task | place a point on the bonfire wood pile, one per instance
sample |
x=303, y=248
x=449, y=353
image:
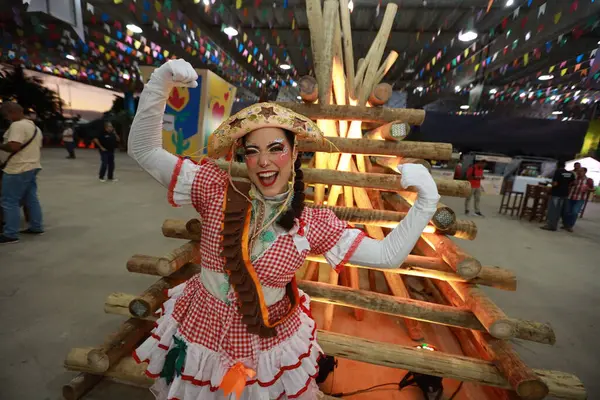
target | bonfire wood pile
x=355, y=176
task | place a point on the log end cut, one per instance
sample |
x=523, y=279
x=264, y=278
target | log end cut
x=164, y=267
x=444, y=218
x=468, y=268
x=194, y=226
x=98, y=360
x=502, y=329
x=139, y=308
x=533, y=389
x=380, y=94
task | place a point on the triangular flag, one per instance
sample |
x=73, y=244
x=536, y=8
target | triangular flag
x=541, y=10
x=526, y=59
x=516, y=13
x=563, y=72
x=557, y=17
x=577, y=67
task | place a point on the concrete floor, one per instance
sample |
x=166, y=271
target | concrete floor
x=54, y=286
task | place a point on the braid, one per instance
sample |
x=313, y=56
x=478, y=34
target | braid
x=286, y=221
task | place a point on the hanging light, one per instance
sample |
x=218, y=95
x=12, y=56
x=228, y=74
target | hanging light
x=285, y=67
x=469, y=33
x=546, y=77
x=264, y=81
x=467, y=36
x=351, y=5
x=464, y=107
x=206, y=2
x=585, y=100
x=557, y=112
x=230, y=31
x=108, y=86
x=509, y=3
x=493, y=91
x=299, y=98
x=409, y=70
x=70, y=57
x=457, y=88
x=419, y=88
x=134, y=28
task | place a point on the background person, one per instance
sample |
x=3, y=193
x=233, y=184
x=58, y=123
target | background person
x=69, y=139
x=474, y=176
x=578, y=192
x=107, y=142
x=23, y=141
x=560, y=191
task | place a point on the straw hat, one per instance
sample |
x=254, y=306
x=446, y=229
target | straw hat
x=261, y=115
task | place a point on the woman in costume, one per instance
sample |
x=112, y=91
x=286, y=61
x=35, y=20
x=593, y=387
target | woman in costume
x=241, y=329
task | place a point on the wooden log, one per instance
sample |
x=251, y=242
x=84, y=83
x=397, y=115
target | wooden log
x=314, y=16
x=323, y=67
x=462, y=229
x=560, y=384
x=165, y=265
x=385, y=67
x=174, y=228
x=395, y=283
x=339, y=82
x=80, y=385
x=377, y=147
x=393, y=131
x=521, y=378
x=347, y=45
x=126, y=370
x=118, y=304
x=194, y=226
x=380, y=94
x=489, y=314
x=118, y=345
x=470, y=346
x=391, y=305
x=464, y=265
x=392, y=163
x=152, y=298
x=329, y=308
x=358, y=79
x=381, y=115
x=375, y=53
x=129, y=372
x=357, y=179
x=308, y=89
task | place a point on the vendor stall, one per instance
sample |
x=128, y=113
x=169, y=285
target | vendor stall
x=523, y=171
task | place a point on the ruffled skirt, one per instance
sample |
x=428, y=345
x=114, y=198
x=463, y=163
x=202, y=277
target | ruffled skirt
x=215, y=339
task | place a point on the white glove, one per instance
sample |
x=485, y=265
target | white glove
x=173, y=73
x=417, y=176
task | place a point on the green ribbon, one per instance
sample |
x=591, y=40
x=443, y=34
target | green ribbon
x=174, y=361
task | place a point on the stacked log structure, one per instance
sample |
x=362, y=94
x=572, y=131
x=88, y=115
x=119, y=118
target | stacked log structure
x=355, y=175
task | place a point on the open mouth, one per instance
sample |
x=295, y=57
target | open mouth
x=267, y=178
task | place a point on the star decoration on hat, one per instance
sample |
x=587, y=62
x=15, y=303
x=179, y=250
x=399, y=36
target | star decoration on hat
x=267, y=112
x=299, y=123
x=236, y=123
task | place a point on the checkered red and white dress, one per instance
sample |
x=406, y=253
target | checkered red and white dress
x=216, y=338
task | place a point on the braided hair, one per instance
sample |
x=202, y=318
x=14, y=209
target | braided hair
x=286, y=219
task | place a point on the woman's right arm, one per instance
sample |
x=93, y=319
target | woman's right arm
x=145, y=137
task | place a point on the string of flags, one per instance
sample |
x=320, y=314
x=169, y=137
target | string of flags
x=503, y=31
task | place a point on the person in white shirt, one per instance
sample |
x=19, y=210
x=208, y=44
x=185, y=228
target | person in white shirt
x=69, y=140
x=23, y=142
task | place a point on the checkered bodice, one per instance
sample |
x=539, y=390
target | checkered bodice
x=278, y=264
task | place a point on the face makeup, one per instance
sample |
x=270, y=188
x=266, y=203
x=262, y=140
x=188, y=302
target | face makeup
x=269, y=160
